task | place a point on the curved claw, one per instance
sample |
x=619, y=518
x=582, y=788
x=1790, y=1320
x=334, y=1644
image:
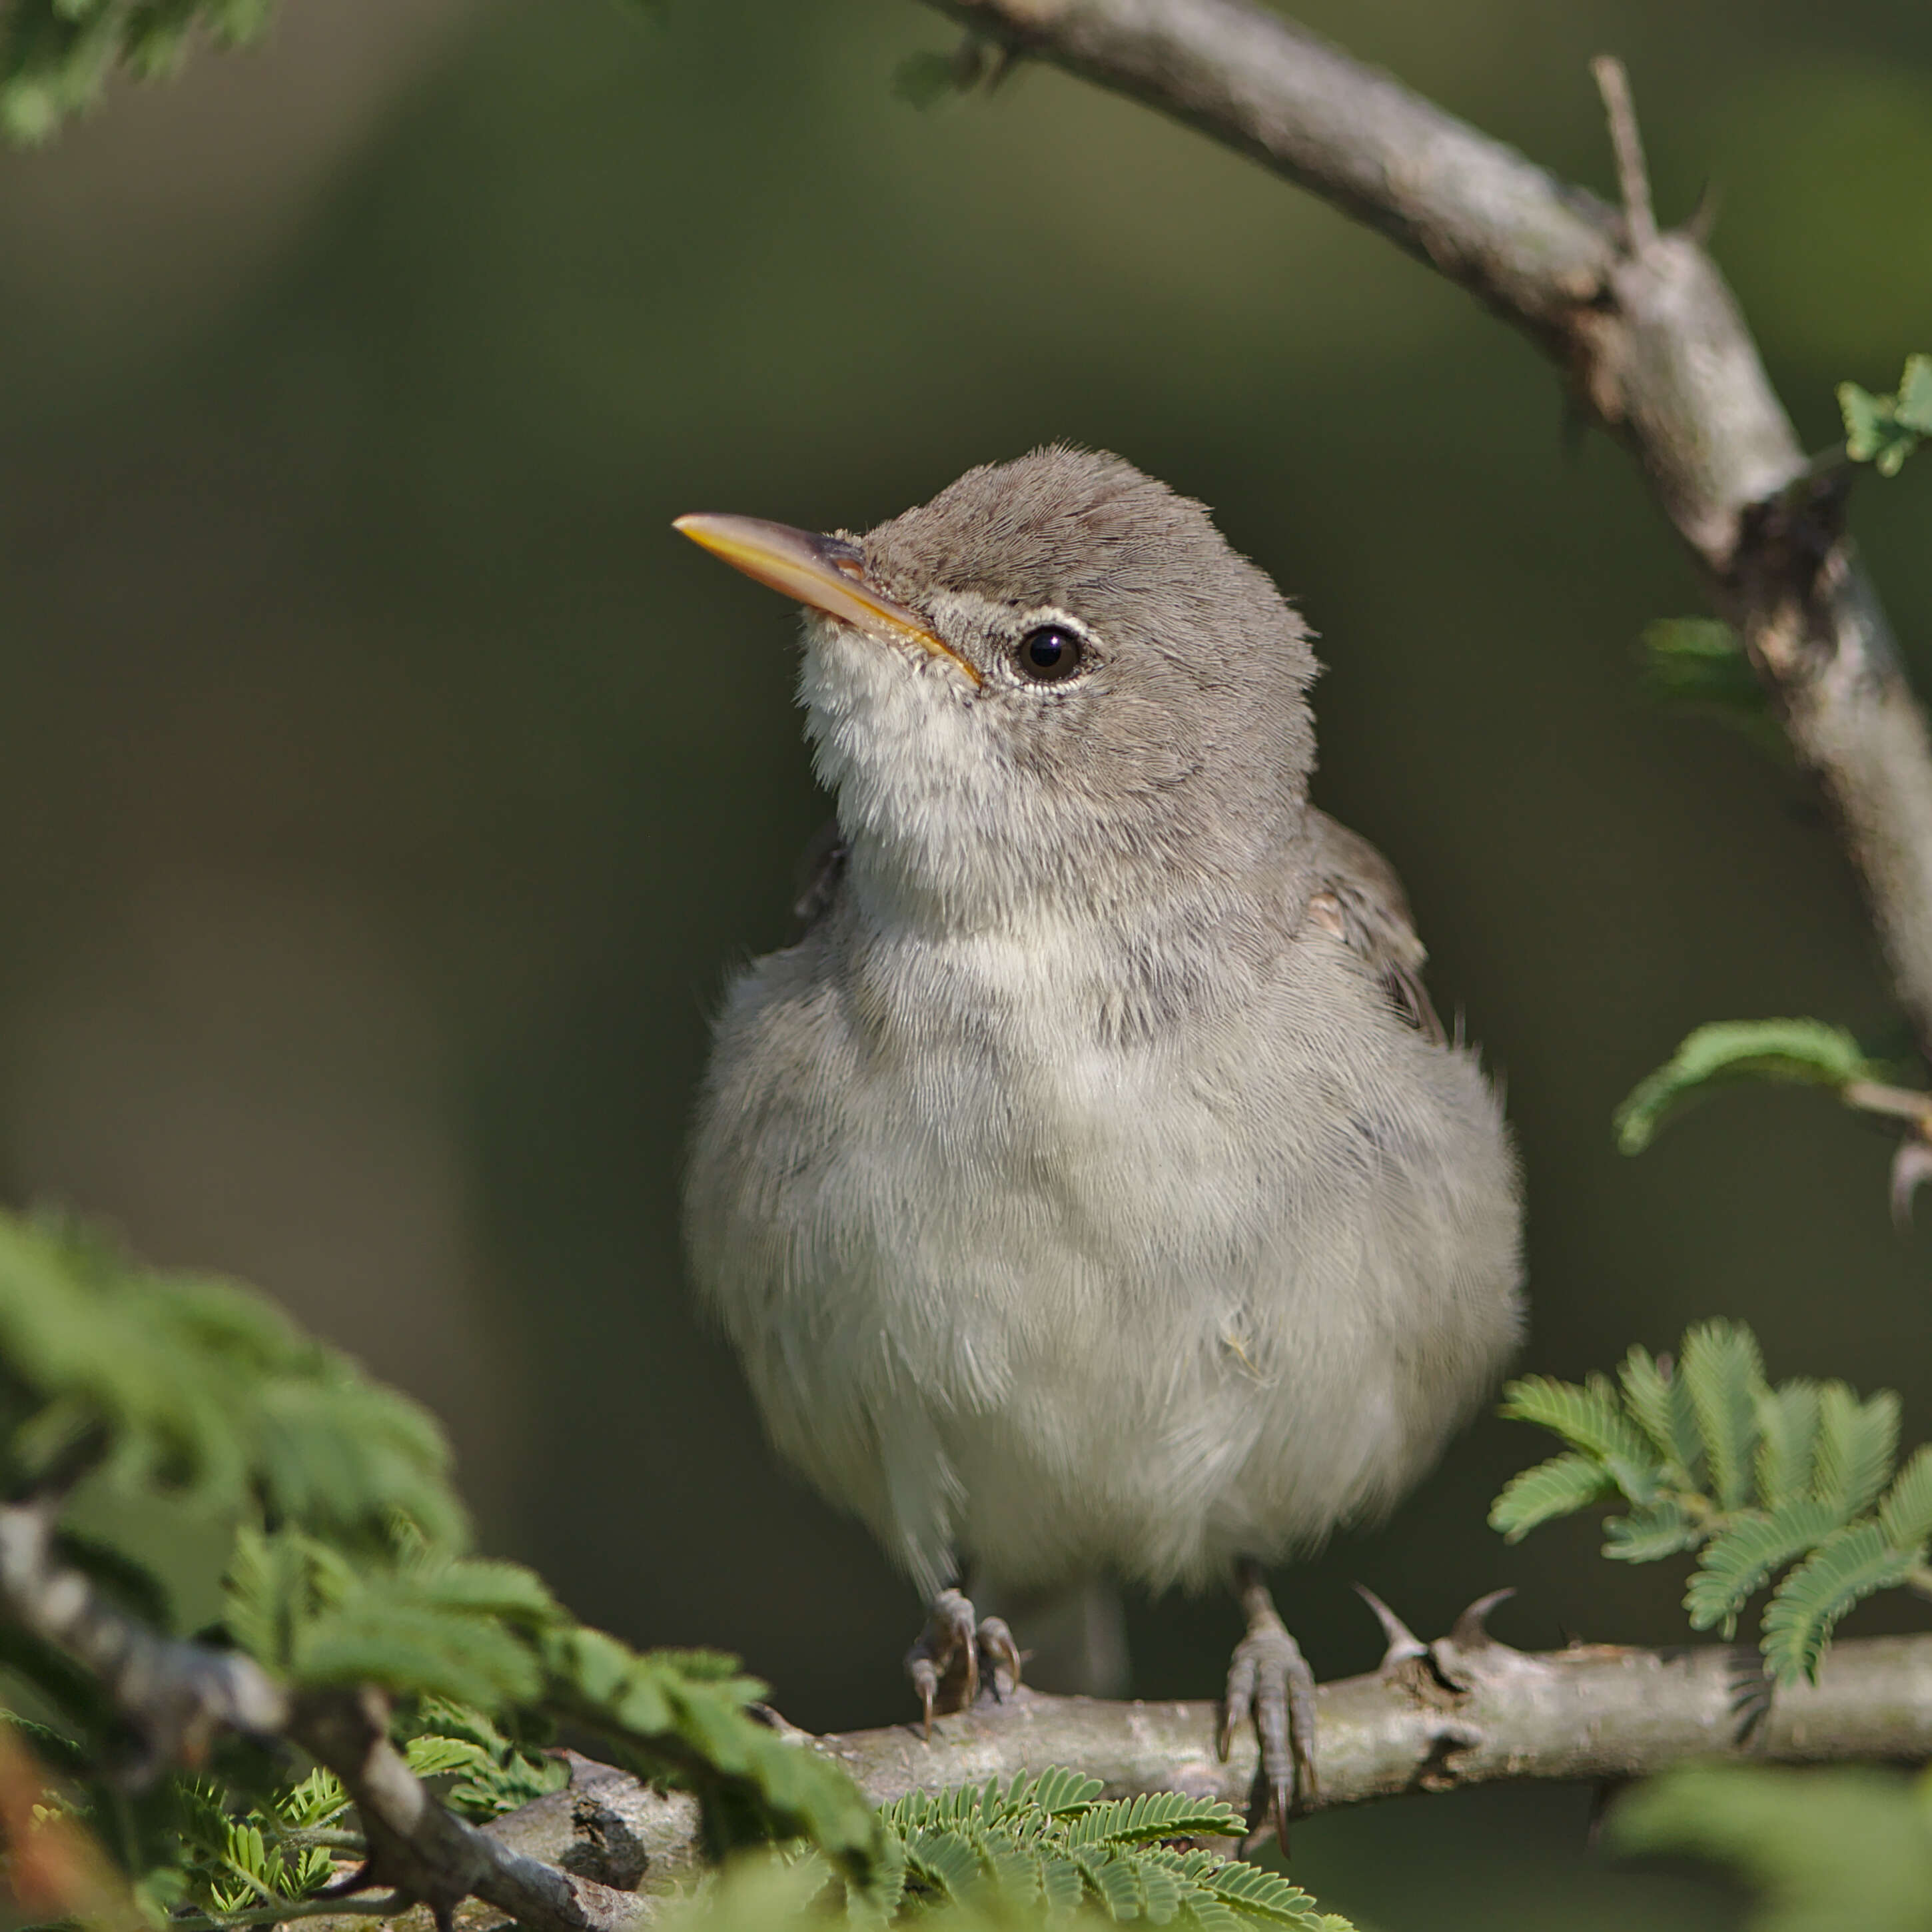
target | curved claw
x=994, y=1641
x=925, y=1675
x=957, y=1652
x=1270, y=1683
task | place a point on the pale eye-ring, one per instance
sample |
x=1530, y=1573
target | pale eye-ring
x=1049, y=653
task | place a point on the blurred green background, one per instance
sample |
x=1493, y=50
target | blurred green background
x=385, y=793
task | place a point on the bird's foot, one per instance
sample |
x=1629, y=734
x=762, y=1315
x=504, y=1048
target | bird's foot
x=1270, y=1682
x=957, y=1652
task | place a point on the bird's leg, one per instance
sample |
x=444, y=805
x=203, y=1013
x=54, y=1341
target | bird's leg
x=946, y=1664
x=1269, y=1681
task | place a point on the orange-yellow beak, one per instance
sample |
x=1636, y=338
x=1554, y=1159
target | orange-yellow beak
x=826, y=573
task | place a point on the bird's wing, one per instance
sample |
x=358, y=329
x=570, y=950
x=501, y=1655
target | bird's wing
x=821, y=869
x=1361, y=900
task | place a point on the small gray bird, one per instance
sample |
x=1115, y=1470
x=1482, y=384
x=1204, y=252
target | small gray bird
x=1091, y=1190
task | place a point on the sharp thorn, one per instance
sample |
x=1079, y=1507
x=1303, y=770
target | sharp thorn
x=1471, y=1631
x=1911, y=1169
x=1403, y=1643
x=1703, y=218
x=1603, y=1794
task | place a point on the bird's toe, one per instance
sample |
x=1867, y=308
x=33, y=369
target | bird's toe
x=1269, y=1684
x=945, y=1660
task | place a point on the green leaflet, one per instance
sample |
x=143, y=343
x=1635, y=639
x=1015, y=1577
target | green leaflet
x=56, y=55
x=1884, y=431
x=492, y=1773
x=1152, y=1816
x=1787, y=1446
x=1053, y=1841
x=1805, y=1051
x=1590, y=1419
x=1724, y=1375
x=1558, y=1487
x=204, y=1390
x=1906, y=1514
x=1698, y=665
x=387, y=1634
x=1661, y=1528
x=1741, y=1559
x=1759, y=1480
x=1856, y=1443
x=684, y=1713
x=1660, y=1405
x=1850, y=1566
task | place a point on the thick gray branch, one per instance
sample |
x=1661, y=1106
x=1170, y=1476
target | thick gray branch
x=1644, y=326
x=1463, y=1711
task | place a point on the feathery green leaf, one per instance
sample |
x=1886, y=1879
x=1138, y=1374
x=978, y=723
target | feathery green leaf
x=1659, y=1529
x=1804, y=1051
x=56, y=56
x=1558, y=1487
x=1724, y=1376
x=1740, y=1560
x=1787, y=1422
x=1589, y=1418
x=1884, y=431
x=1850, y=1566
x=1856, y=1443
x=1656, y=1396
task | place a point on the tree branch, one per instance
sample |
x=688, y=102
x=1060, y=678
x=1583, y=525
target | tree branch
x=1642, y=324
x=1466, y=1710
x=177, y=1695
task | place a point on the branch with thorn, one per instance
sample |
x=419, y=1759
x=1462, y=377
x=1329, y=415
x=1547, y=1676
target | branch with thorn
x=1644, y=330
x=1466, y=1709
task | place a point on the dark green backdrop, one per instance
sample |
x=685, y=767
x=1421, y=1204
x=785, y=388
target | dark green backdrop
x=385, y=792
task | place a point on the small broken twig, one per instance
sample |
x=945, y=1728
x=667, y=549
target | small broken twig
x=1633, y=177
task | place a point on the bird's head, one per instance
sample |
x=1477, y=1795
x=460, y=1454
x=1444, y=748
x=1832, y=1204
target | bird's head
x=1053, y=683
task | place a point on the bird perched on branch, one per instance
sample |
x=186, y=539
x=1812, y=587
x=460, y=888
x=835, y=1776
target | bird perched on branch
x=1092, y=1189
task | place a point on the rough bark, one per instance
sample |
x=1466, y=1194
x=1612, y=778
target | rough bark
x=1464, y=1711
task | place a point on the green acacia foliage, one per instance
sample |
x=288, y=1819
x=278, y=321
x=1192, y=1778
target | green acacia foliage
x=201, y=1392
x=1884, y=431
x=1040, y=1850
x=1825, y=1851
x=1794, y=1484
x=1801, y=1052
x=56, y=55
x=1699, y=666
x=350, y=1565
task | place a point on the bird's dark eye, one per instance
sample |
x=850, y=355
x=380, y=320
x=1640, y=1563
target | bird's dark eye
x=1047, y=655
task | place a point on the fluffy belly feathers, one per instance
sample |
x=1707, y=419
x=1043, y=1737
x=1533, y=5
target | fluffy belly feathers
x=1062, y=1300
